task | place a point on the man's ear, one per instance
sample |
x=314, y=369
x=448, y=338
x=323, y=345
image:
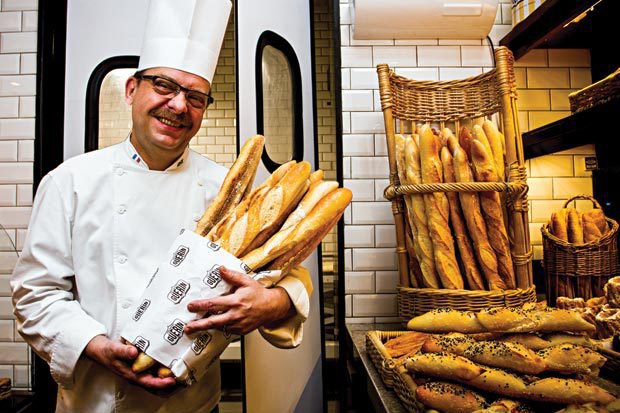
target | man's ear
x=130, y=89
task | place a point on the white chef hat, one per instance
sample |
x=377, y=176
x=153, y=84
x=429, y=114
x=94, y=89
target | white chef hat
x=185, y=35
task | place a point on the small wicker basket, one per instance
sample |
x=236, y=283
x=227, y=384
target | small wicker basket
x=405, y=387
x=377, y=352
x=404, y=103
x=596, y=93
x=579, y=270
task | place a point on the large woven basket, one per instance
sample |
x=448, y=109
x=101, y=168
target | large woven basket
x=405, y=103
x=378, y=354
x=579, y=270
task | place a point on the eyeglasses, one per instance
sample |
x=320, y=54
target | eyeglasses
x=170, y=89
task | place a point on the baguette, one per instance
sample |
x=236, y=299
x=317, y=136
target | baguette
x=455, y=343
x=531, y=341
x=470, y=202
x=310, y=231
x=423, y=245
x=449, y=397
x=495, y=140
x=438, y=212
x=575, y=230
x=567, y=391
x=465, y=140
x=510, y=356
x=261, y=256
x=558, y=224
x=569, y=358
x=480, y=136
x=238, y=181
x=492, y=209
x=591, y=233
x=499, y=382
x=472, y=274
x=445, y=320
x=443, y=365
x=598, y=218
x=142, y=363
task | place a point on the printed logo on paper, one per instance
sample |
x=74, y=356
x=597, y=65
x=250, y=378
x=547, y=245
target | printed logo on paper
x=245, y=268
x=213, y=277
x=213, y=246
x=178, y=291
x=141, y=309
x=200, y=343
x=174, y=332
x=179, y=255
x=141, y=343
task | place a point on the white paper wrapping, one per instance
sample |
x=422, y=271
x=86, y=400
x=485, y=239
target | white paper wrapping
x=189, y=272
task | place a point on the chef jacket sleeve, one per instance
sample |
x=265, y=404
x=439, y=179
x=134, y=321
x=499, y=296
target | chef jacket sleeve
x=47, y=313
x=288, y=333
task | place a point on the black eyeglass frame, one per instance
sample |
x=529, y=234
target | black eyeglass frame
x=179, y=88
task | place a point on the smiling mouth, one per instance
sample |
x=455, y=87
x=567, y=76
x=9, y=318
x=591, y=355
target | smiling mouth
x=169, y=122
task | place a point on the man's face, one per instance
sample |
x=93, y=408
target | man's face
x=162, y=122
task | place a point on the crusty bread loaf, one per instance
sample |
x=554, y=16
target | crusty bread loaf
x=500, y=382
x=471, y=272
x=423, y=245
x=470, y=202
x=499, y=319
x=555, y=339
x=445, y=320
x=569, y=358
x=495, y=140
x=480, y=136
x=438, y=213
x=465, y=140
x=443, y=365
x=567, y=391
x=449, y=397
x=558, y=224
x=454, y=343
x=237, y=182
x=512, y=356
x=573, y=223
x=531, y=341
x=259, y=257
x=598, y=217
x=507, y=406
x=310, y=231
x=484, y=168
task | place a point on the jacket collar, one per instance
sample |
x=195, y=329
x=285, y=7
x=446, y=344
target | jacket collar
x=135, y=159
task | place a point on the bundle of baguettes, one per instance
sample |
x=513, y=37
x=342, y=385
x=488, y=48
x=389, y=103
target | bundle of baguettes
x=467, y=225
x=275, y=226
x=577, y=227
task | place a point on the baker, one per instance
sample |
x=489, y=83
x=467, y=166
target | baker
x=102, y=221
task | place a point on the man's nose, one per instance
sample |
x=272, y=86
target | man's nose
x=178, y=102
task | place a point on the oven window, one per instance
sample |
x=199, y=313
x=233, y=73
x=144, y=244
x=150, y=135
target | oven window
x=278, y=83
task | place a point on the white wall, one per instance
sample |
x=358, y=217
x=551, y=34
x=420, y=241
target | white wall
x=18, y=47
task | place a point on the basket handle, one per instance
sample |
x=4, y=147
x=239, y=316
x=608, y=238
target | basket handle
x=586, y=198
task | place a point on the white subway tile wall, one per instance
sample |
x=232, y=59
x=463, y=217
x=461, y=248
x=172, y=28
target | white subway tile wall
x=544, y=78
x=18, y=46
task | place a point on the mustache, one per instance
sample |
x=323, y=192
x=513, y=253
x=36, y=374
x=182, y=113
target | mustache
x=181, y=118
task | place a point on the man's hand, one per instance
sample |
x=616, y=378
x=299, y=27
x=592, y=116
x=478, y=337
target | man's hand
x=250, y=306
x=118, y=357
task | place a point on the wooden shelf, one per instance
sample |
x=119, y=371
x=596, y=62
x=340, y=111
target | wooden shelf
x=582, y=128
x=545, y=27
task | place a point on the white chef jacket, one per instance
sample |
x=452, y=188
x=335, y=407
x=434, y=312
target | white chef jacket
x=100, y=225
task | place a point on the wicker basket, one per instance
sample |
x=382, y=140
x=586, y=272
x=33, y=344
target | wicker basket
x=404, y=386
x=612, y=365
x=378, y=354
x=406, y=102
x=579, y=270
x=597, y=93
